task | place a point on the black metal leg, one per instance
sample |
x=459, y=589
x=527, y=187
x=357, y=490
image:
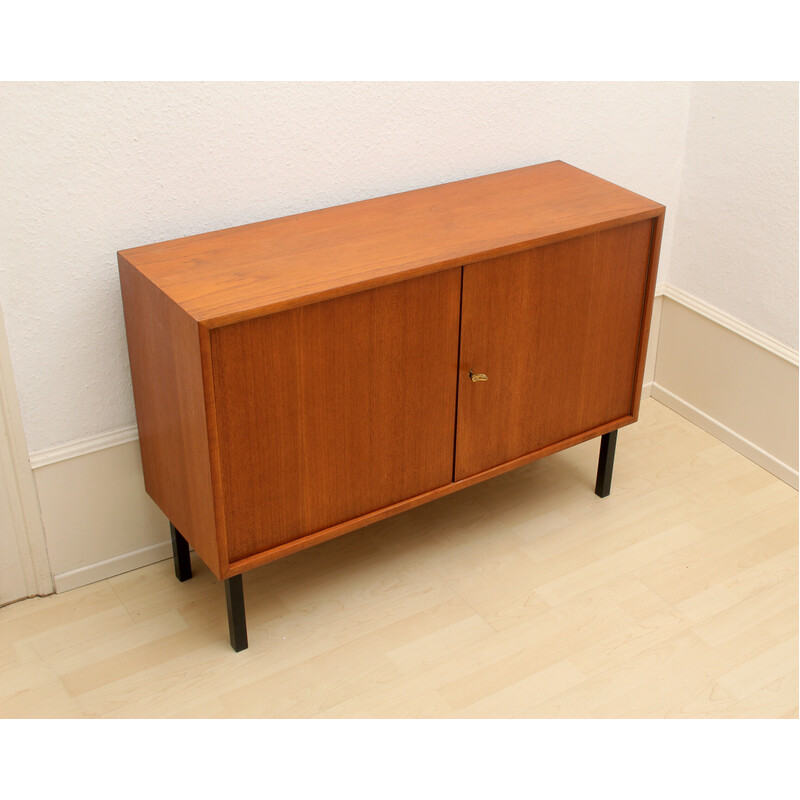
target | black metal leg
x=180, y=555
x=605, y=464
x=237, y=623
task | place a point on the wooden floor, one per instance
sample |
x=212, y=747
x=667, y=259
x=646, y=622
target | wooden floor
x=526, y=596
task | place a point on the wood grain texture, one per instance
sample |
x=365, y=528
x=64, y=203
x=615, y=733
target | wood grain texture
x=244, y=272
x=333, y=410
x=212, y=427
x=300, y=377
x=167, y=375
x=557, y=331
x=647, y=314
x=304, y=542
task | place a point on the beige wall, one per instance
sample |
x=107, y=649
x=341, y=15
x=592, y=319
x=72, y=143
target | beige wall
x=98, y=518
x=734, y=383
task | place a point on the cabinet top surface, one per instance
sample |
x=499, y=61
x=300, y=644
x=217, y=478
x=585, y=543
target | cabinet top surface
x=243, y=272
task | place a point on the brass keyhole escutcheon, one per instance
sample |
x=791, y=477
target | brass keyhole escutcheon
x=477, y=376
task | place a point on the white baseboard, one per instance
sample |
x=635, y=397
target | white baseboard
x=112, y=566
x=732, y=324
x=82, y=447
x=725, y=435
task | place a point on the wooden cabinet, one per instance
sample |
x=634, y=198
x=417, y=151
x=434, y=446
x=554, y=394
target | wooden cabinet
x=333, y=410
x=298, y=378
x=556, y=329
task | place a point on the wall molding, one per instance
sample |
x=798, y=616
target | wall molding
x=101, y=570
x=82, y=447
x=727, y=321
x=729, y=379
x=725, y=435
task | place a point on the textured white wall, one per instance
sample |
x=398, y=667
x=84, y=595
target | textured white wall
x=736, y=231
x=91, y=168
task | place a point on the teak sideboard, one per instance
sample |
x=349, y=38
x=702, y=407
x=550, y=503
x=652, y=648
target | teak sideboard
x=302, y=377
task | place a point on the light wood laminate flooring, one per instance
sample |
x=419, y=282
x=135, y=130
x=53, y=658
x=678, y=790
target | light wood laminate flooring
x=526, y=596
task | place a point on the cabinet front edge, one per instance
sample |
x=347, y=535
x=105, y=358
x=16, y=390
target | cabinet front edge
x=423, y=268
x=273, y=554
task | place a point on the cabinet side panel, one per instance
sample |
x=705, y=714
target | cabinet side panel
x=649, y=299
x=331, y=411
x=556, y=329
x=166, y=371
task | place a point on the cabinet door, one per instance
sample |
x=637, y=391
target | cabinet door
x=556, y=330
x=332, y=410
